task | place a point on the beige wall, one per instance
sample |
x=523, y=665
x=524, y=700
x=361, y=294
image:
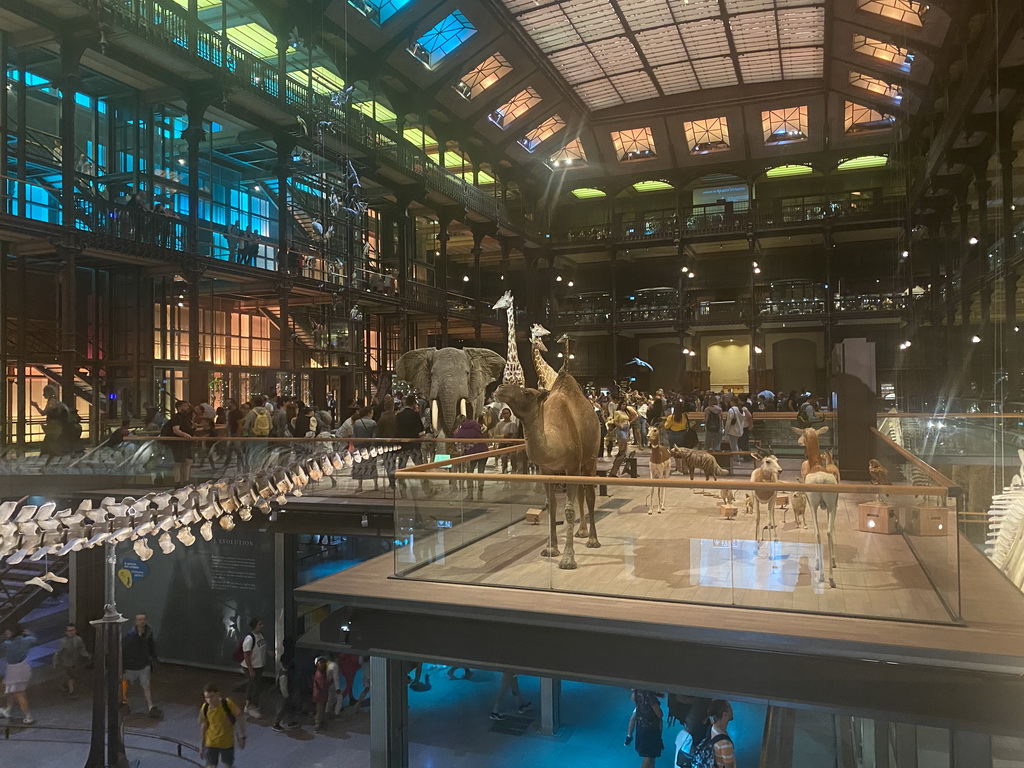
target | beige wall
x=728, y=363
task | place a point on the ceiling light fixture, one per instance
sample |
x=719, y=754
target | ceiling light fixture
x=976, y=339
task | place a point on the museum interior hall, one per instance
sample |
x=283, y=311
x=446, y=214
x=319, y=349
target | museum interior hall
x=496, y=351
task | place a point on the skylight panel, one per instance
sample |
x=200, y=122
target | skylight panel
x=593, y=19
x=800, y=27
x=786, y=171
x=256, y=39
x=517, y=6
x=861, y=119
x=661, y=46
x=696, y=10
x=715, y=73
x=443, y=38
x=569, y=156
x=863, y=162
x=706, y=136
x=784, y=126
x=653, y=185
x=379, y=11
x=599, y=94
x=542, y=133
x=905, y=11
x=636, y=144
x=677, y=78
x=873, y=84
x=704, y=39
x=588, y=193
x=514, y=108
x=760, y=67
x=482, y=77
x=800, y=63
x=550, y=29
x=616, y=56
x=754, y=31
x=887, y=52
x=324, y=80
x=635, y=86
x=577, y=65
x=645, y=14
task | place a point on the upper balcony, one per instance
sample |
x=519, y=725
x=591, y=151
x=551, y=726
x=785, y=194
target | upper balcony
x=727, y=218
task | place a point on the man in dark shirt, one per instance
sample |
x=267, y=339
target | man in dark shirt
x=138, y=652
x=409, y=425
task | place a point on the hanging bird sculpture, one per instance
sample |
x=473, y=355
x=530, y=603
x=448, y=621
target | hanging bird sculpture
x=638, y=361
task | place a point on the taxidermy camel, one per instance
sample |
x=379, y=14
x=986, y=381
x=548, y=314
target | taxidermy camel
x=661, y=465
x=768, y=472
x=818, y=470
x=562, y=437
x=545, y=373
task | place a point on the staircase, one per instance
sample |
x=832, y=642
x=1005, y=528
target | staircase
x=83, y=387
x=304, y=335
x=18, y=599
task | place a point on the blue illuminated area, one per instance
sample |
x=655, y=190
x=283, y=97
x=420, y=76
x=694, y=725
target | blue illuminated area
x=379, y=11
x=447, y=35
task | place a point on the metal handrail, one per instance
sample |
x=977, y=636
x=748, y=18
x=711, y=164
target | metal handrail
x=180, y=746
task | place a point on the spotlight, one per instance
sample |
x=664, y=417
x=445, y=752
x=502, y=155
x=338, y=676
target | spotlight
x=692, y=353
x=256, y=188
x=558, y=279
x=465, y=278
x=976, y=339
x=685, y=270
x=906, y=254
x=758, y=350
x=755, y=265
x=570, y=284
x=757, y=270
x=973, y=240
x=686, y=351
x=871, y=523
x=692, y=274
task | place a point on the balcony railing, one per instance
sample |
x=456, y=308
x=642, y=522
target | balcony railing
x=723, y=218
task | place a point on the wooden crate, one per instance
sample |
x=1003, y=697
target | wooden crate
x=728, y=511
x=533, y=516
x=929, y=521
x=876, y=517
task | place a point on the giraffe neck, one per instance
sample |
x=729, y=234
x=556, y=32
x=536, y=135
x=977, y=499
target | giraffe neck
x=513, y=370
x=545, y=373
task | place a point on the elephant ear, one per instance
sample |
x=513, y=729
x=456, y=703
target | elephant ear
x=485, y=366
x=414, y=368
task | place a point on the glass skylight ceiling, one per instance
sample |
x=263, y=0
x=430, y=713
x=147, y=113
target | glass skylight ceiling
x=679, y=46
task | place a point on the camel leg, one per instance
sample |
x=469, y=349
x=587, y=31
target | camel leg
x=568, y=561
x=583, y=531
x=551, y=550
x=588, y=496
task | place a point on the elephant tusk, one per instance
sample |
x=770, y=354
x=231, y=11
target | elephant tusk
x=433, y=414
x=463, y=411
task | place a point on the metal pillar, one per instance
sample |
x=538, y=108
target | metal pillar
x=68, y=82
x=550, y=705
x=906, y=745
x=106, y=746
x=389, y=715
x=442, y=273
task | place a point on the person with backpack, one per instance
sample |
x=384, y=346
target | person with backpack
x=218, y=720
x=253, y=657
x=809, y=413
x=716, y=749
x=713, y=425
x=258, y=422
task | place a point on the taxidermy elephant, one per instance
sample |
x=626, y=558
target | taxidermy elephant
x=452, y=380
